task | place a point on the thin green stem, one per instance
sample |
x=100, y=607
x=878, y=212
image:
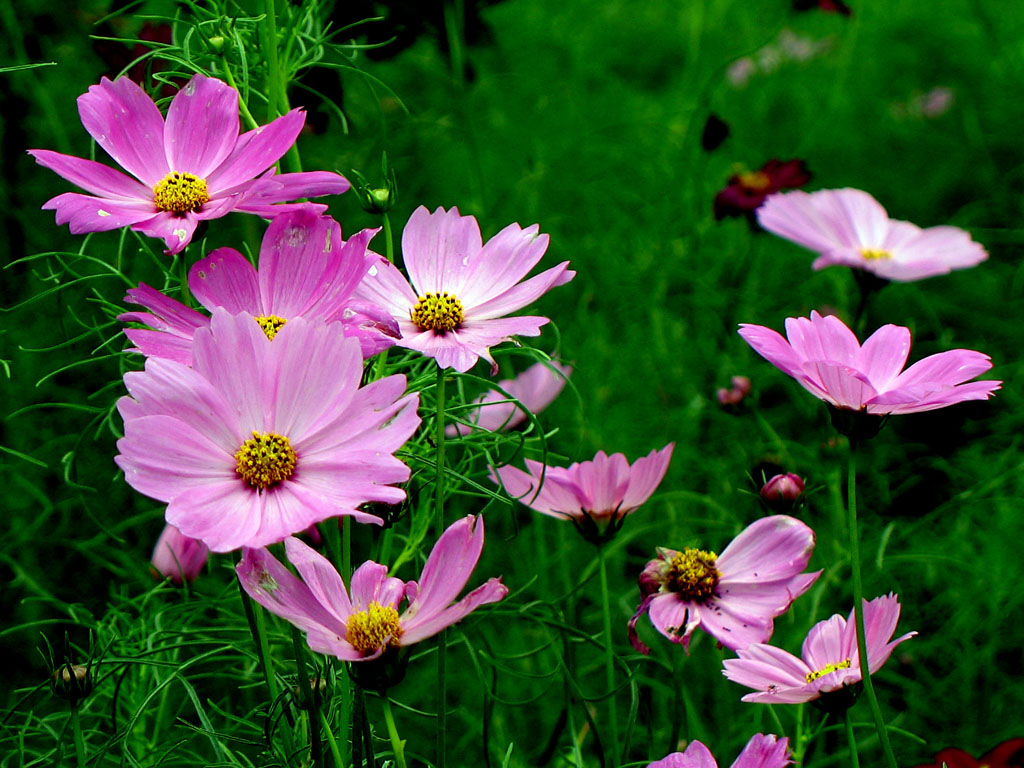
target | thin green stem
x=454, y=13
x=854, y=758
x=389, y=240
x=397, y=745
x=312, y=697
x=609, y=660
x=339, y=761
x=346, y=549
x=442, y=639
x=76, y=727
x=247, y=116
x=858, y=602
x=254, y=615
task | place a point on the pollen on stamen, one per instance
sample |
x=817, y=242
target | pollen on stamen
x=377, y=626
x=271, y=324
x=875, y=254
x=440, y=312
x=828, y=668
x=180, y=193
x=692, y=575
x=265, y=459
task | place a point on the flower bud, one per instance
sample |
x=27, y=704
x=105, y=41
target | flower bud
x=784, y=488
x=178, y=557
x=72, y=682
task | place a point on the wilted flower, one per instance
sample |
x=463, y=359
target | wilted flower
x=363, y=622
x=454, y=305
x=260, y=439
x=783, y=488
x=848, y=227
x=305, y=270
x=192, y=167
x=535, y=389
x=824, y=356
x=1008, y=754
x=762, y=751
x=746, y=192
x=596, y=495
x=178, y=557
x=830, y=658
x=735, y=596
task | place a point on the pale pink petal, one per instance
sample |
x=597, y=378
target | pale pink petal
x=168, y=314
x=320, y=577
x=944, y=369
x=900, y=401
x=226, y=279
x=504, y=260
x=202, y=126
x=764, y=751
x=826, y=644
x=774, y=348
x=645, y=476
x=438, y=249
x=277, y=589
x=733, y=627
x=224, y=516
x=844, y=386
x=558, y=497
x=861, y=220
x=385, y=285
x=127, y=124
x=770, y=549
x=760, y=666
x=884, y=354
x=795, y=216
x=674, y=617
x=519, y=296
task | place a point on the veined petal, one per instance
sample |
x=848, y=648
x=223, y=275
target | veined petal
x=256, y=151
x=293, y=186
x=503, y=261
x=884, y=354
x=94, y=177
x=175, y=231
x=519, y=296
x=447, y=570
x=202, y=126
x=84, y=213
x=439, y=249
x=427, y=624
x=226, y=279
x=772, y=548
x=645, y=476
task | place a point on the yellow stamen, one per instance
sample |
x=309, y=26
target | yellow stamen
x=180, y=193
x=368, y=630
x=271, y=324
x=692, y=574
x=756, y=180
x=265, y=459
x=812, y=676
x=874, y=254
x=439, y=312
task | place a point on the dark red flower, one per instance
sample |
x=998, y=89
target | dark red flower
x=828, y=6
x=1008, y=754
x=745, y=192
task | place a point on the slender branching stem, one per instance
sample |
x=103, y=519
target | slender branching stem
x=609, y=660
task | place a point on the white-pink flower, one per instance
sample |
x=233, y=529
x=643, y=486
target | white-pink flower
x=362, y=622
x=455, y=304
x=849, y=227
x=260, y=439
x=830, y=660
x=735, y=596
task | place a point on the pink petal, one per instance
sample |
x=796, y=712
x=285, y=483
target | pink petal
x=94, y=177
x=946, y=369
x=884, y=354
x=256, y=151
x=202, y=126
x=447, y=570
x=159, y=344
x=645, y=476
x=695, y=756
x=385, y=285
x=127, y=124
x=321, y=578
x=827, y=643
x=908, y=401
x=796, y=217
x=773, y=348
x=84, y=213
x=733, y=627
x=224, y=516
x=428, y=625
x=168, y=314
x=274, y=587
x=283, y=187
x=176, y=231
x=368, y=582
x=226, y=279
x=178, y=557
x=297, y=263
x=505, y=260
x=439, y=249
x=770, y=549
x=519, y=296
x=764, y=751
x=675, y=618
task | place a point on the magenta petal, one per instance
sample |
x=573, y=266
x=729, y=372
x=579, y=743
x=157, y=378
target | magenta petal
x=448, y=568
x=202, y=126
x=127, y=124
x=427, y=625
x=298, y=263
x=772, y=548
x=764, y=751
x=178, y=557
x=93, y=177
x=675, y=618
x=168, y=314
x=175, y=231
x=84, y=213
x=696, y=756
x=274, y=587
x=161, y=344
x=263, y=200
x=256, y=151
x=320, y=576
x=226, y=279
x=369, y=582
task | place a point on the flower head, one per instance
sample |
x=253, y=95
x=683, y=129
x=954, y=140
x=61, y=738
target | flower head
x=178, y=557
x=746, y=192
x=535, y=389
x=830, y=659
x=850, y=228
x=735, y=596
x=188, y=168
x=260, y=439
x=824, y=356
x=596, y=495
x=1008, y=754
x=762, y=751
x=454, y=305
x=362, y=622
x=305, y=270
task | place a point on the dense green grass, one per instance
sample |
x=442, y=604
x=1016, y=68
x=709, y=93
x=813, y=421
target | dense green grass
x=585, y=118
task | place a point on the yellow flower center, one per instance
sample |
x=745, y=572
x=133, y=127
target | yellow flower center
x=180, y=193
x=271, y=324
x=265, y=459
x=692, y=574
x=874, y=254
x=368, y=630
x=439, y=312
x=756, y=180
x=812, y=676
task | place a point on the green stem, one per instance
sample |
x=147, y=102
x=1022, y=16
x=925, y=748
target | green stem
x=854, y=759
x=454, y=14
x=277, y=83
x=339, y=761
x=312, y=698
x=346, y=550
x=397, y=745
x=609, y=660
x=858, y=602
x=442, y=639
x=389, y=240
x=254, y=615
x=76, y=726
x=247, y=116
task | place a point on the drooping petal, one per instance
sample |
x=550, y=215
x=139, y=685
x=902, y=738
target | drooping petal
x=176, y=231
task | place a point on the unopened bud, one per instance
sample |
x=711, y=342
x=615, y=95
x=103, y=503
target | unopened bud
x=217, y=43
x=783, y=492
x=72, y=682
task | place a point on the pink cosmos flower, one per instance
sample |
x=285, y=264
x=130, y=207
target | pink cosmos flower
x=849, y=227
x=824, y=356
x=762, y=751
x=830, y=660
x=535, y=388
x=735, y=596
x=454, y=305
x=362, y=622
x=177, y=557
x=192, y=167
x=305, y=270
x=596, y=495
x=260, y=439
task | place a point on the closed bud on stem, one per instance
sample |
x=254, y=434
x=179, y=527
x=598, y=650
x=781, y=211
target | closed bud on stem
x=72, y=682
x=783, y=492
